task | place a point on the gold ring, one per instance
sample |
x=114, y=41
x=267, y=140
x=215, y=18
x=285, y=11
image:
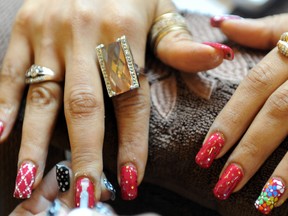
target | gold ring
x=117, y=65
x=165, y=24
x=283, y=44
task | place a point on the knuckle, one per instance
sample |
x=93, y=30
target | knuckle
x=278, y=103
x=83, y=102
x=259, y=79
x=83, y=16
x=43, y=96
x=23, y=18
x=9, y=73
x=249, y=149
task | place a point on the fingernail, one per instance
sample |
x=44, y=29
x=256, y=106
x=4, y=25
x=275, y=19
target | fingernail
x=210, y=150
x=128, y=182
x=25, y=180
x=1, y=128
x=57, y=209
x=63, y=177
x=228, y=53
x=84, y=195
x=110, y=188
x=271, y=193
x=104, y=209
x=216, y=21
x=228, y=182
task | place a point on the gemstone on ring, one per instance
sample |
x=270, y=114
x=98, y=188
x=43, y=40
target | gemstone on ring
x=118, y=67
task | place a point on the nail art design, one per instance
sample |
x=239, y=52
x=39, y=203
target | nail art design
x=110, y=188
x=217, y=20
x=228, y=182
x=25, y=180
x=270, y=195
x=1, y=128
x=84, y=196
x=63, y=177
x=128, y=182
x=227, y=51
x=210, y=150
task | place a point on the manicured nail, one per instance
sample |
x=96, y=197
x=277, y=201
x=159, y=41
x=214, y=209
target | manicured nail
x=63, y=177
x=228, y=53
x=210, y=150
x=25, y=180
x=271, y=193
x=1, y=128
x=216, y=21
x=228, y=182
x=128, y=182
x=110, y=188
x=84, y=195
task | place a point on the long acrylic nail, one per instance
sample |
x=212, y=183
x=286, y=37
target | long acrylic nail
x=63, y=177
x=228, y=53
x=271, y=193
x=216, y=21
x=228, y=182
x=128, y=182
x=210, y=150
x=25, y=180
x=1, y=128
x=110, y=188
x=84, y=195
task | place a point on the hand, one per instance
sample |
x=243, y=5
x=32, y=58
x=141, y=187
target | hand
x=62, y=36
x=255, y=118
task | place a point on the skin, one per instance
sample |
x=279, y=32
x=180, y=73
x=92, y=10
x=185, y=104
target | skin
x=62, y=35
x=257, y=112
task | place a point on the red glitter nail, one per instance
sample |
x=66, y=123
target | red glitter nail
x=84, y=195
x=216, y=21
x=25, y=180
x=1, y=128
x=128, y=182
x=228, y=182
x=210, y=150
x=228, y=53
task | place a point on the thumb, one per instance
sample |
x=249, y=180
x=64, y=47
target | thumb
x=262, y=33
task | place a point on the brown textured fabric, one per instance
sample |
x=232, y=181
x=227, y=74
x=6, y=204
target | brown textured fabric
x=183, y=108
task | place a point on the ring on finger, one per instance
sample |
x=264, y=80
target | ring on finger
x=283, y=44
x=119, y=71
x=37, y=74
x=165, y=24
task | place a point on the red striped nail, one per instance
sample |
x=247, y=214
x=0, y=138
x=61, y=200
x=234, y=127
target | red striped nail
x=84, y=195
x=1, y=128
x=25, y=180
x=128, y=182
x=210, y=150
x=217, y=20
x=227, y=51
x=228, y=182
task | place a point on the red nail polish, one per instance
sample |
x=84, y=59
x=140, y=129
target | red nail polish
x=84, y=195
x=1, y=128
x=128, y=182
x=217, y=20
x=25, y=180
x=227, y=51
x=210, y=150
x=228, y=182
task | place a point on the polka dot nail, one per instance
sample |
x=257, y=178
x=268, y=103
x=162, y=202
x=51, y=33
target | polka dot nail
x=63, y=177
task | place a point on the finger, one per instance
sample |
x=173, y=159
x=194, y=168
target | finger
x=12, y=80
x=42, y=106
x=239, y=112
x=263, y=136
x=274, y=193
x=42, y=197
x=260, y=33
x=177, y=48
x=84, y=106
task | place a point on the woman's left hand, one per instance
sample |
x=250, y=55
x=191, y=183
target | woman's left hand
x=256, y=115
